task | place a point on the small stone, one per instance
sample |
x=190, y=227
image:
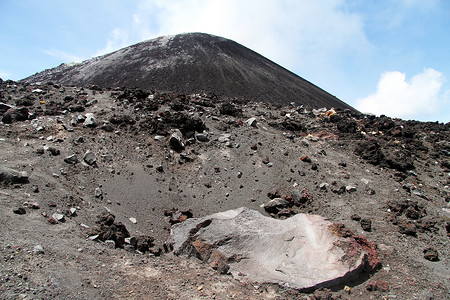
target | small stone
x=176, y=140
x=355, y=217
x=251, y=122
x=129, y=248
x=19, y=211
x=90, y=158
x=73, y=211
x=110, y=244
x=58, y=217
x=408, y=228
x=431, y=254
x=159, y=138
x=133, y=220
x=53, y=151
x=202, y=137
x=366, y=224
x=266, y=160
x=107, y=127
x=305, y=158
x=275, y=205
x=33, y=205
x=378, y=285
x=160, y=168
x=93, y=237
x=350, y=189
x=371, y=191
x=52, y=221
x=107, y=158
x=224, y=138
x=38, y=249
x=72, y=159
x=323, y=186
x=90, y=120
x=131, y=241
x=98, y=193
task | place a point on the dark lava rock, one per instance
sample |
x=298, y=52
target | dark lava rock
x=355, y=217
x=15, y=114
x=11, y=176
x=108, y=229
x=431, y=254
x=366, y=224
x=230, y=109
x=175, y=216
x=370, y=151
x=72, y=159
x=408, y=228
x=19, y=211
x=378, y=285
x=347, y=126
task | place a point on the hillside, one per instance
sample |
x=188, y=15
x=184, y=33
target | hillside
x=191, y=63
x=84, y=168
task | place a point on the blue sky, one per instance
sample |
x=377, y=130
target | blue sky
x=387, y=57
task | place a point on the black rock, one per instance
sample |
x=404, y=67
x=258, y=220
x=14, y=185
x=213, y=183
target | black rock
x=19, y=211
x=11, y=176
x=431, y=254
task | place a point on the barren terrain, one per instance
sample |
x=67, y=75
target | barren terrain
x=385, y=179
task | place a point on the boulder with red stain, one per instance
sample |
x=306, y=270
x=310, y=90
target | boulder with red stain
x=288, y=252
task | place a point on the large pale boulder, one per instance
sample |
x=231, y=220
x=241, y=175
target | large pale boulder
x=302, y=252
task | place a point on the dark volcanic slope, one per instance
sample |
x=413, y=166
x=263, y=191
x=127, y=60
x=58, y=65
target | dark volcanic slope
x=190, y=63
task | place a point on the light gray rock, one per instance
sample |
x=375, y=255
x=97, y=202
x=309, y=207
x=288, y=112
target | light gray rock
x=224, y=138
x=58, y=217
x=38, y=249
x=350, y=189
x=251, y=122
x=90, y=120
x=73, y=211
x=90, y=158
x=301, y=252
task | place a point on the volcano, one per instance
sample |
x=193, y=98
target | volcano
x=192, y=63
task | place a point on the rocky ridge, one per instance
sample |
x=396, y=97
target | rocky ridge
x=93, y=179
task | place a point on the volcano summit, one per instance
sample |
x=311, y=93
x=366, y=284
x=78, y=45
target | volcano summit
x=192, y=63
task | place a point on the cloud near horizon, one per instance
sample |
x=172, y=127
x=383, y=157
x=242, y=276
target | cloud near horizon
x=296, y=34
x=398, y=97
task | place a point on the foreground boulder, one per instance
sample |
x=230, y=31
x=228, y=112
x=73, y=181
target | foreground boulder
x=303, y=252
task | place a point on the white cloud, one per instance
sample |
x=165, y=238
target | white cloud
x=298, y=34
x=119, y=38
x=4, y=75
x=64, y=56
x=398, y=97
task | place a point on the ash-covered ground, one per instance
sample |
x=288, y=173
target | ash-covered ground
x=92, y=180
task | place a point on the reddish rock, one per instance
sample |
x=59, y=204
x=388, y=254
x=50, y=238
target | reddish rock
x=305, y=158
x=378, y=285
